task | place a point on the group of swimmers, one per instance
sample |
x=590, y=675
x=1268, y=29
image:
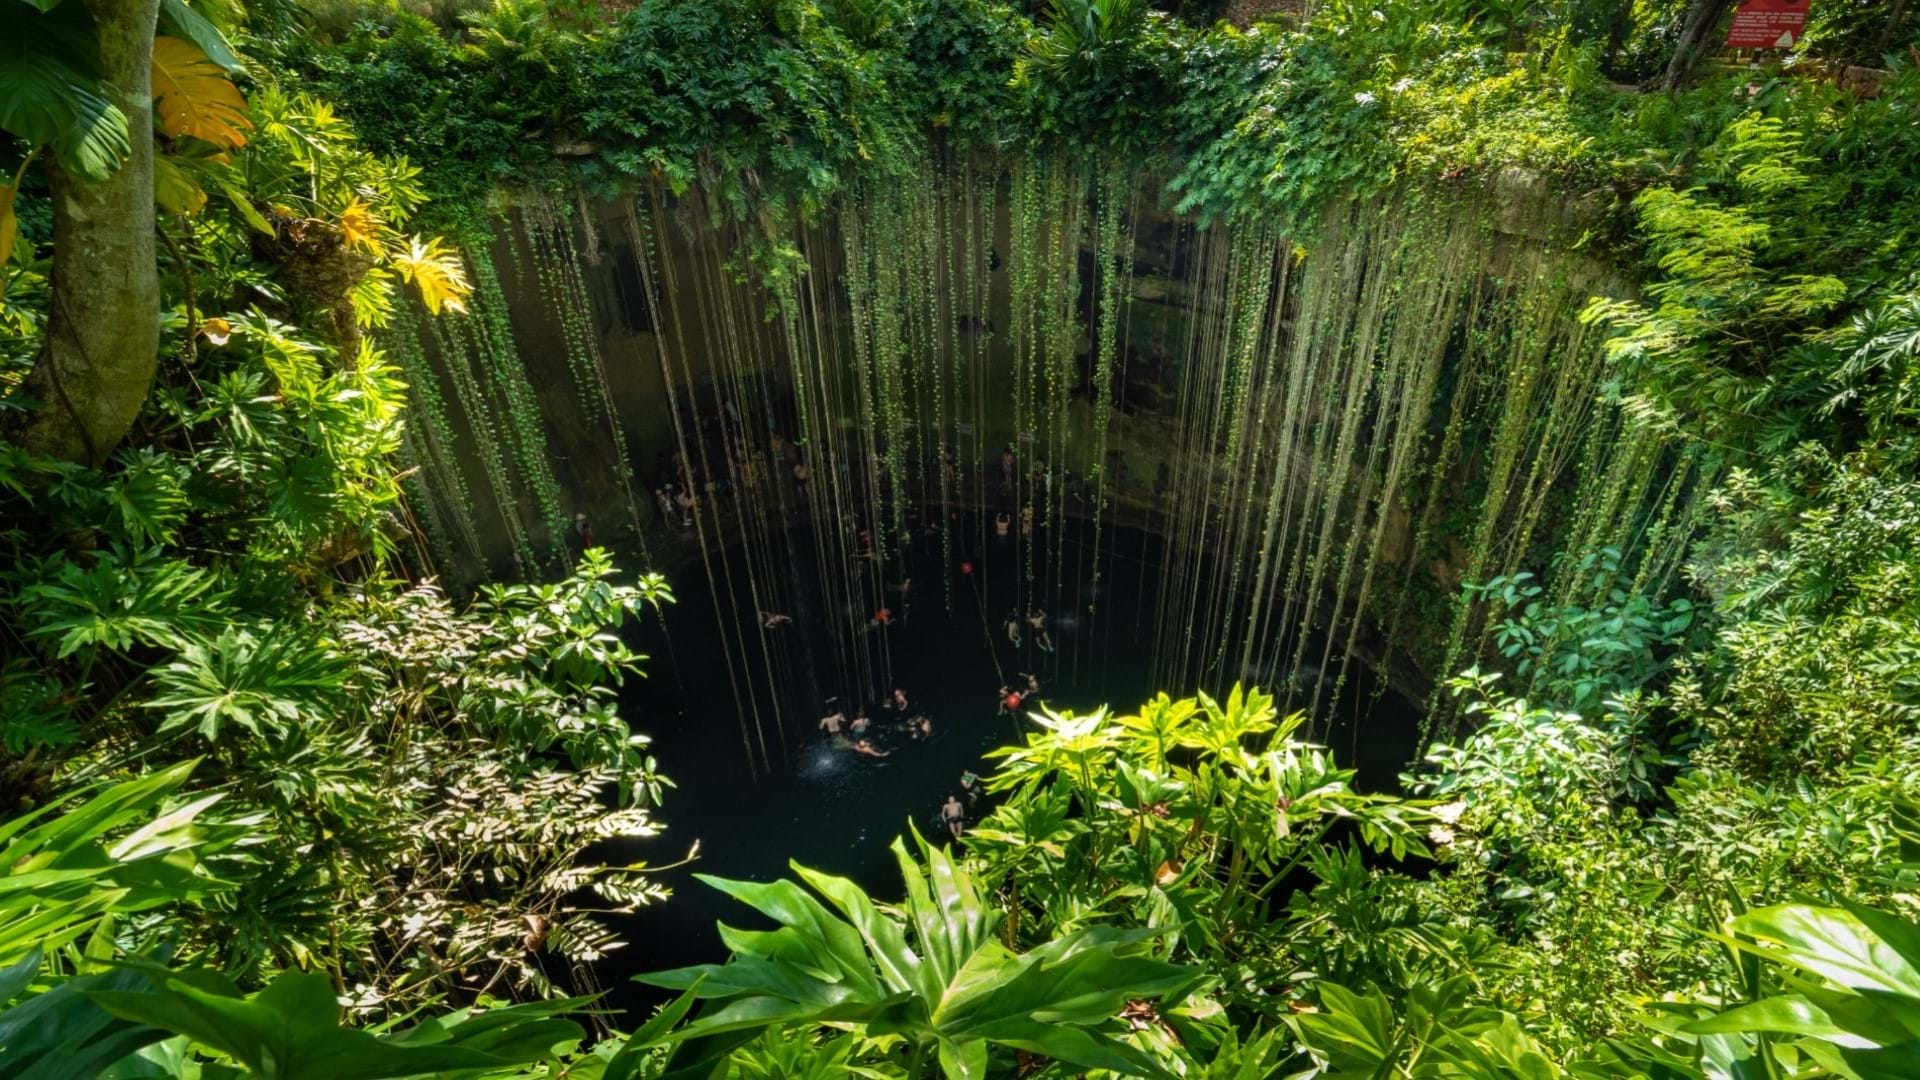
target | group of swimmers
x=852, y=734
x=1024, y=690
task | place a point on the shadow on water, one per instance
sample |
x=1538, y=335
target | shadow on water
x=832, y=809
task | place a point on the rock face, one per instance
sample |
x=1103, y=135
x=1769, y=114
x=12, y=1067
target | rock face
x=676, y=327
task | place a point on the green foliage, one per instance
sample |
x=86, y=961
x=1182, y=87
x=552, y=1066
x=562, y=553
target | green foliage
x=934, y=975
x=291, y=1029
x=239, y=680
x=130, y=847
x=1186, y=814
x=1578, y=655
x=50, y=87
x=1082, y=39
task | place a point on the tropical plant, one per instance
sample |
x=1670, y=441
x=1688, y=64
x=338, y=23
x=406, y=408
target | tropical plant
x=933, y=975
x=1188, y=813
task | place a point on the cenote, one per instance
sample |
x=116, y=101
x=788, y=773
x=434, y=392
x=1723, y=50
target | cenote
x=959, y=539
x=817, y=802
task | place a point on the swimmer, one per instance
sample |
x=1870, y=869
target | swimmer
x=867, y=749
x=970, y=783
x=831, y=722
x=1026, y=521
x=1037, y=618
x=1001, y=523
x=860, y=721
x=1033, y=684
x=923, y=726
x=1013, y=628
x=955, y=815
x=773, y=620
x=899, y=699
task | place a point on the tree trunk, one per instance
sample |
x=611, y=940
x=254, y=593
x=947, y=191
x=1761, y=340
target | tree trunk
x=1895, y=14
x=103, y=327
x=1703, y=17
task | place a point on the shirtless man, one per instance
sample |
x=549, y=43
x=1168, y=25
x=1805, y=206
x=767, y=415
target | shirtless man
x=955, y=815
x=831, y=722
x=1037, y=618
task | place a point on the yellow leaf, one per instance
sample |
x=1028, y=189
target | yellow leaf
x=436, y=271
x=192, y=96
x=359, y=227
x=173, y=190
x=9, y=224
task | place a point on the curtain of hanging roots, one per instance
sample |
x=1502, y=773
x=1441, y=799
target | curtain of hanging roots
x=1362, y=418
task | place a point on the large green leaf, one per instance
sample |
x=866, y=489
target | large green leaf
x=181, y=21
x=290, y=1030
x=952, y=987
x=62, y=871
x=63, y=1035
x=1830, y=943
x=51, y=91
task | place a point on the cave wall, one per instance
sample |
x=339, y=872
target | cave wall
x=670, y=313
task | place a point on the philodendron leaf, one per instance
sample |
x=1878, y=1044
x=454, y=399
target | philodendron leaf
x=193, y=97
x=51, y=92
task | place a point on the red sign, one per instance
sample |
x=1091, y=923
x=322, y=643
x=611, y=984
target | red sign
x=1767, y=24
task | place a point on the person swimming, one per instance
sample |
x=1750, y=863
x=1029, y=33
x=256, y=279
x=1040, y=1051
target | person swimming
x=866, y=749
x=860, y=721
x=773, y=620
x=1001, y=524
x=923, y=727
x=1013, y=628
x=899, y=699
x=1037, y=619
x=832, y=722
x=955, y=815
x=970, y=783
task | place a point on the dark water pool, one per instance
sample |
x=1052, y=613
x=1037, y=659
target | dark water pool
x=829, y=808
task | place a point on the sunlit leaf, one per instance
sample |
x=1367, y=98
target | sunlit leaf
x=435, y=269
x=192, y=97
x=173, y=190
x=359, y=228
